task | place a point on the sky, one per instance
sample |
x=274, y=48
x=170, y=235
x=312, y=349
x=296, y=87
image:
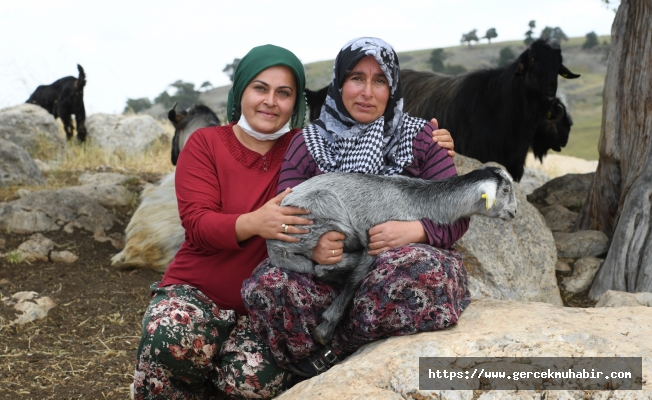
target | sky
x=134, y=48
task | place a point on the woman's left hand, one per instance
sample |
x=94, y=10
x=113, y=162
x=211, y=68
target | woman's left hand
x=391, y=234
x=443, y=138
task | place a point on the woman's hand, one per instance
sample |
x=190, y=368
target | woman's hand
x=443, y=138
x=271, y=221
x=329, y=249
x=393, y=234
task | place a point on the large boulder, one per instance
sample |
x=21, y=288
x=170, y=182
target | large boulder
x=568, y=190
x=130, y=134
x=509, y=260
x=17, y=167
x=49, y=210
x=28, y=124
x=389, y=369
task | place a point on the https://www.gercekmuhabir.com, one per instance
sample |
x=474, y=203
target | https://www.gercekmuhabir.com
x=530, y=373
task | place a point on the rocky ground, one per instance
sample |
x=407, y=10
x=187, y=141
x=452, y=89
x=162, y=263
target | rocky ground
x=85, y=346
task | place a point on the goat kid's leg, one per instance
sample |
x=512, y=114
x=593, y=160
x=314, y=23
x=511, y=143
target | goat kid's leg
x=335, y=312
x=282, y=258
x=348, y=263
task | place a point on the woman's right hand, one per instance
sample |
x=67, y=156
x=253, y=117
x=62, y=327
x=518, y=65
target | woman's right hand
x=268, y=221
x=329, y=249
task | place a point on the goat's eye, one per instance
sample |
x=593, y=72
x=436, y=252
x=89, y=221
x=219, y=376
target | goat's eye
x=505, y=190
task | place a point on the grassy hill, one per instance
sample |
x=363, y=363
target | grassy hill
x=583, y=95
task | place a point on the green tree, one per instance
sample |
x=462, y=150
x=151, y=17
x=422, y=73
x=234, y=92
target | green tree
x=437, y=58
x=553, y=34
x=469, y=37
x=230, y=68
x=137, y=105
x=506, y=56
x=206, y=86
x=528, y=35
x=591, y=41
x=185, y=95
x=491, y=33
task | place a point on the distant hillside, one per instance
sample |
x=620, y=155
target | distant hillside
x=583, y=95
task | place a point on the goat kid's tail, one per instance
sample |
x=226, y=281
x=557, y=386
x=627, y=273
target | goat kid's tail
x=81, y=80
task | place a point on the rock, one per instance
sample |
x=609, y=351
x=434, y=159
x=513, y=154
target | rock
x=532, y=179
x=130, y=134
x=581, y=244
x=63, y=257
x=389, y=369
x=117, y=239
x=31, y=305
x=43, y=166
x=23, y=192
x=559, y=218
x=562, y=265
x=613, y=298
x=556, y=165
x=584, y=271
x=17, y=166
x=103, y=178
x=513, y=260
x=569, y=191
x=48, y=210
x=108, y=195
x=28, y=124
x=4, y=281
x=37, y=248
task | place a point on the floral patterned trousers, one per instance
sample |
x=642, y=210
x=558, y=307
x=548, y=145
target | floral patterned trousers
x=190, y=349
x=409, y=289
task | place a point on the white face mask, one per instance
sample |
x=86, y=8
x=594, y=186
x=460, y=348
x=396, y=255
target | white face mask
x=242, y=123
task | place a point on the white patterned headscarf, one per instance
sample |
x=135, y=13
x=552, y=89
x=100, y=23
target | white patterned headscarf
x=337, y=142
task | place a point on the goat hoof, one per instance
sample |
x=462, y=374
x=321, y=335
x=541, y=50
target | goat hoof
x=323, y=333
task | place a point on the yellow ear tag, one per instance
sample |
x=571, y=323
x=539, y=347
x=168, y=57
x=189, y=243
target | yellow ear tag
x=489, y=200
x=549, y=114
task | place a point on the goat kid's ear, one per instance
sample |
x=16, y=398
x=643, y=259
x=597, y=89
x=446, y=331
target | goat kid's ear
x=566, y=73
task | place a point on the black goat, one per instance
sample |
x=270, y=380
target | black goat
x=315, y=100
x=63, y=98
x=186, y=122
x=553, y=132
x=492, y=114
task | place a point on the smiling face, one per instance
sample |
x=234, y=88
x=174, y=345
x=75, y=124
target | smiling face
x=268, y=100
x=365, y=91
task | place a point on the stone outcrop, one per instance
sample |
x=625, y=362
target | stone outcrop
x=581, y=244
x=129, y=134
x=27, y=124
x=613, y=298
x=568, y=190
x=17, y=167
x=388, y=369
x=50, y=210
x=509, y=260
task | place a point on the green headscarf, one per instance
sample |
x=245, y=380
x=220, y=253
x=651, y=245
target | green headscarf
x=255, y=62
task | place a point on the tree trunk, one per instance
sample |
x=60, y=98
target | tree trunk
x=620, y=200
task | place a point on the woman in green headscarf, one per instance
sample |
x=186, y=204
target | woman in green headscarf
x=196, y=342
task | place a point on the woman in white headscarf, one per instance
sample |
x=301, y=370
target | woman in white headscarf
x=418, y=282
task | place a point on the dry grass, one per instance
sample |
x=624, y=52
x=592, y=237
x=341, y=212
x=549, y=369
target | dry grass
x=78, y=158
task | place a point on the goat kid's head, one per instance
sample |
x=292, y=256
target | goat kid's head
x=497, y=193
x=540, y=65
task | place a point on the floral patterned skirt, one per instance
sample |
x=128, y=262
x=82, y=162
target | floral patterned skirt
x=190, y=349
x=409, y=289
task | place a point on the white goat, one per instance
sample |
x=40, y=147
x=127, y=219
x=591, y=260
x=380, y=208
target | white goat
x=354, y=203
x=154, y=234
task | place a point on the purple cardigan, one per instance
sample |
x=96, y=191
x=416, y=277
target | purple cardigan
x=430, y=162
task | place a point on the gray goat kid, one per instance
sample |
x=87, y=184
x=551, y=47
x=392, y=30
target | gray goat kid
x=354, y=203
